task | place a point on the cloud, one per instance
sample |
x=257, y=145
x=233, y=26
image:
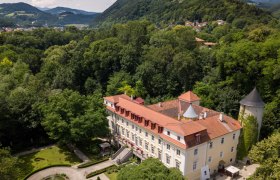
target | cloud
x=43, y=3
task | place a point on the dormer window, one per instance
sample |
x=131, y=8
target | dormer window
x=153, y=125
x=178, y=138
x=160, y=129
x=146, y=122
x=122, y=110
x=117, y=108
x=126, y=113
x=168, y=133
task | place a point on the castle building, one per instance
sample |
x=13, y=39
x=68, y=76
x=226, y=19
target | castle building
x=180, y=133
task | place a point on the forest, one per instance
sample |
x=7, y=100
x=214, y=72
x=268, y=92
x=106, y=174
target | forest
x=52, y=82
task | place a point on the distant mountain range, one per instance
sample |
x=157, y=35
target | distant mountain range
x=59, y=10
x=23, y=14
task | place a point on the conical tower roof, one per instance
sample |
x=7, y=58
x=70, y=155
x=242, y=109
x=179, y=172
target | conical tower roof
x=190, y=113
x=253, y=99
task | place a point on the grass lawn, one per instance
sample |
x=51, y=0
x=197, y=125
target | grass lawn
x=112, y=176
x=51, y=156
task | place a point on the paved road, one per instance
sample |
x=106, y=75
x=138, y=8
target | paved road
x=72, y=172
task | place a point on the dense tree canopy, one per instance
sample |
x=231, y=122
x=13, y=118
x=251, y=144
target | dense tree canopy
x=8, y=165
x=71, y=117
x=267, y=154
x=150, y=169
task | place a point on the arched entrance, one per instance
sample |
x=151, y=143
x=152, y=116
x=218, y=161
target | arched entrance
x=221, y=167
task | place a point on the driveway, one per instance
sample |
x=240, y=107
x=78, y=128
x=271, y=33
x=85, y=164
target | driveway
x=72, y=172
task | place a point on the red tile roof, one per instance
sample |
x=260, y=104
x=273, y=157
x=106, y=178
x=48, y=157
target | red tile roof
x=189, y=97
x=115, y=99
x=211, y=126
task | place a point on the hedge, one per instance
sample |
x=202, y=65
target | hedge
x=87, y=164
x=37, y=170
x=100, y=171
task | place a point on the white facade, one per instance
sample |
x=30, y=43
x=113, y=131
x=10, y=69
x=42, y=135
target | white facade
x=190, y=161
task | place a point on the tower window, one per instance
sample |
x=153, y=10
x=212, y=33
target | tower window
x=195, y=152
x=222, y=140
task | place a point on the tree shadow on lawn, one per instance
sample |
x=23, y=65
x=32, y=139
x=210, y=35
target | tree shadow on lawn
x=70, y=156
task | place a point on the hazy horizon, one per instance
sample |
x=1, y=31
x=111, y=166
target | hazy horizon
x=87, y=5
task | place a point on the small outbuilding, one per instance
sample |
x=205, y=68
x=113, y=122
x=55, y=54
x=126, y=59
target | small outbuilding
x=232, y=171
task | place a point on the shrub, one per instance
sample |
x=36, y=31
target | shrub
x=87, y=164
x=100, y=171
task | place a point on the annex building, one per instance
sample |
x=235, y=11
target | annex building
x=180, y=133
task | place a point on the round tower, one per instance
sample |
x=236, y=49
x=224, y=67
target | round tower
x=253, y=105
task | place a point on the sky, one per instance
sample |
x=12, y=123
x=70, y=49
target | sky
x=88, y=5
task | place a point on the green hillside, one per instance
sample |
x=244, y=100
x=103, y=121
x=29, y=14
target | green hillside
x=26, y=15
x=177, y=11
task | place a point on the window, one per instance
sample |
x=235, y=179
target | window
x=140, y=142
x=178, y=152
x=210, y=145
x=205, y=173
x=221, y=154
x=194, y=165
x=140, y=131
x=153, y=138
x=168, y=146
x=127, y=134
x=209, y=159
x=222, y=140
x=168, y=133
x=153, y=149
x=132, y=126
x=159, y=154
x=167, y=159
x=126, y=123
x=122, y=131
x=195, y=152
x=132, y=136
x=231, y=160
x=178, y=138
x=233, y=136
x=136, y=128
x=122, y=121
x=146, y=134
x=178, y=164
x=159, y=141
x=146, y=146
x=232, y=149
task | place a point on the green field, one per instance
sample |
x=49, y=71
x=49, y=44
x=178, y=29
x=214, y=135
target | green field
x=50, y=156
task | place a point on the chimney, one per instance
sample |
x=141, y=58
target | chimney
x=221, y=118
x=131, y=97
x=201, y=115
x=179, y=117
x=205, y=115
